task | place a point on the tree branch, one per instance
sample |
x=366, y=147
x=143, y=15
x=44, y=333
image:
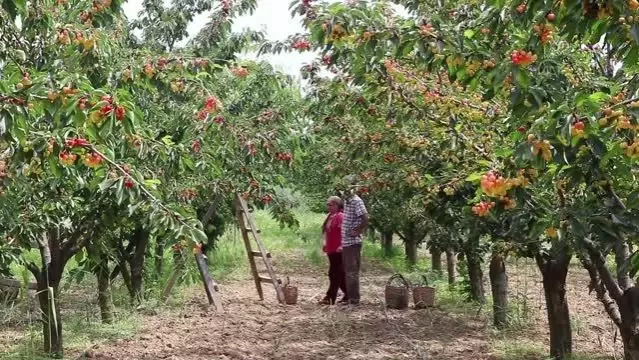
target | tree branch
x=211, y=210
x=622, y=256
x=604, y=273
x=625, y=102
x=602, y=294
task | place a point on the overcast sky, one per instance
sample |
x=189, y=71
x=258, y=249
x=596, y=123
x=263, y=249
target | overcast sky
x=272, y=16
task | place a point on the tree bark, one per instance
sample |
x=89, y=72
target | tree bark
x=622, y=306
x=387, y=243
x=499, y=287
x=371, y=233
x=410, y=246
x=476, y=278
x=51, y=320
x=48, y=278
x=629, y=329
x=451, y=264
x=159, y=257
x=105, y=299
x=622, y=258
x=554, y=272
x=141, y=239
x=436, y=259
x=126, y=277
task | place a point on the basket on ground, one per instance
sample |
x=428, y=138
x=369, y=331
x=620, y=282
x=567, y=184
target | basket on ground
x=397, y=296
x=290, y=293
x=423, y=295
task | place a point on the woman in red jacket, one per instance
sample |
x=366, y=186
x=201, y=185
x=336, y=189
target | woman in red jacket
x=332, y=230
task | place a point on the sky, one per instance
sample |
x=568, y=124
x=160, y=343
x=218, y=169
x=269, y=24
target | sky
x=272, y=16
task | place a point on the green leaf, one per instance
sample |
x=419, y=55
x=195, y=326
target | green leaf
x=199, y=236
x=91, y=132
x=474, y=177
x=54, y=167
x=133, y=208
x=522, y=78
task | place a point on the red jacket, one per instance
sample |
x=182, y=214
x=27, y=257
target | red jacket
x=333, y=233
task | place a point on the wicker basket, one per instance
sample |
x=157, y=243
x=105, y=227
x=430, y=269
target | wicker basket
x=423, y=295
x=397, y=296
x=290, y=293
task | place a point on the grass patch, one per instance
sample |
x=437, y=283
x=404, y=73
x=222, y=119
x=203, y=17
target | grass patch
x=79, y=334
x=507, y=349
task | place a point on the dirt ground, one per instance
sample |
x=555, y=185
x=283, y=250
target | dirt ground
x=252, y=329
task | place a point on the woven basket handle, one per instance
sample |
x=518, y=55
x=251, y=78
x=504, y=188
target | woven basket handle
x=425, y=279
x=398, y=276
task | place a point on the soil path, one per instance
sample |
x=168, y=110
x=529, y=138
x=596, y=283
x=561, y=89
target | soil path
x=252, y=329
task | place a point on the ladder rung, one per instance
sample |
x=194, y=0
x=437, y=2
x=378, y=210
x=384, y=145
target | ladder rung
x=268, y=279
x=256, y=230
x=259, y=254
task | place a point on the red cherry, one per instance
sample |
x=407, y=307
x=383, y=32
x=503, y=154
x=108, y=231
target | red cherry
x=120, y=112
x=128, y=183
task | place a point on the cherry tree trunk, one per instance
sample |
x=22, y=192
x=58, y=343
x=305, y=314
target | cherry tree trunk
x=159, y=257
x=410, y=246
x=48, y=281
x=629, y=329
x=105, y=299
x=51, y=320
x=387, y=243
x=554, y=272
x=436, y=258
x=499, y=287
x=476, y=278
x=371, y=234
x=141, y=239
x=451, y=264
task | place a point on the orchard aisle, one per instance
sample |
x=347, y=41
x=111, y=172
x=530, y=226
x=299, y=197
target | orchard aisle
x=251, y=329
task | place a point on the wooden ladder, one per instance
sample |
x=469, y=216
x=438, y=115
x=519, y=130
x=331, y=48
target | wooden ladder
x=247, y=225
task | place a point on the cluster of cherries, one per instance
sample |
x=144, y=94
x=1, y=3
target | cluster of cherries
x=483, y=208
x=522, y=58
x=68, y=158
x=301, y=45
x=211, y=105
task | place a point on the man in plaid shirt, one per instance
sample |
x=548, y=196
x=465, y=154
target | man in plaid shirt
x=353, y=226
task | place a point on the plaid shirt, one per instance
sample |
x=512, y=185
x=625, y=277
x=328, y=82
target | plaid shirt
x=354, y=210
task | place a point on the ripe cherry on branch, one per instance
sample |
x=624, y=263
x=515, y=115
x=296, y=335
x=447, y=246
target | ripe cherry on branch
x=266, y=199
x=128, y=183
x=92, y=160
x=67, y=158
x=483, y=208
x=301, y=45
x=522, y=58
x=521, y=8
x=240, y=71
